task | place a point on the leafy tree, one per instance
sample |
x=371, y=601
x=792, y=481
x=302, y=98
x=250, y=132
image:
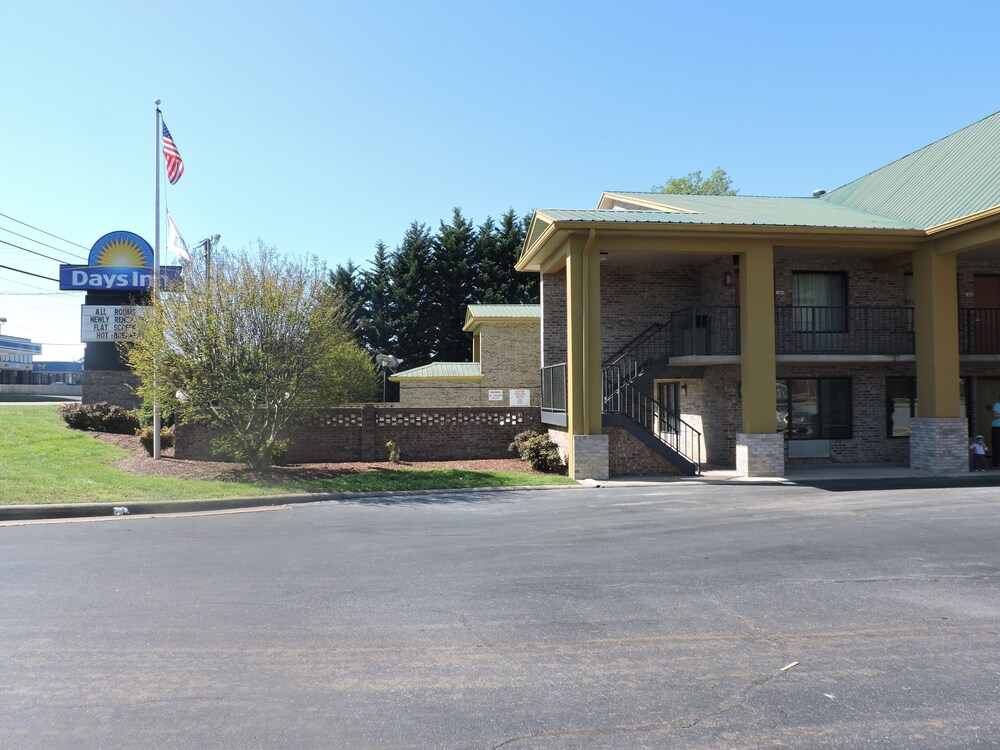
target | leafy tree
x=718, y=183
x=249, y=348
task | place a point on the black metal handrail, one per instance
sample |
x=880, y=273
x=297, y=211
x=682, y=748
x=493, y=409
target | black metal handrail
x=979, y=330
x=705, y=331
x=649, y=414
x=843, y=330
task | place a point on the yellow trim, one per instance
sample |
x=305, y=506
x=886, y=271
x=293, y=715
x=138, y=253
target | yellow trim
x=935, y=292
x=640, y=237
x=965, y=220
x=968, y=237
x=757, y=345
x=592, y=380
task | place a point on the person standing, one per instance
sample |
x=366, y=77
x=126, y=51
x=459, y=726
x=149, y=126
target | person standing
x=978, y=451
x=995, y=434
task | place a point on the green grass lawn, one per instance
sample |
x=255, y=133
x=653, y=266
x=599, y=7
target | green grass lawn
x=42, y=461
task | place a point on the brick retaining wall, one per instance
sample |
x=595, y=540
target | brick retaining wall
x=360, y=434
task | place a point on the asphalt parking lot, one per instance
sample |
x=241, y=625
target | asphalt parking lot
x=680, y=616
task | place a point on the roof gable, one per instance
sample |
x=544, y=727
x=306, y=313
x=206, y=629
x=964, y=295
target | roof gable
x=952, y=178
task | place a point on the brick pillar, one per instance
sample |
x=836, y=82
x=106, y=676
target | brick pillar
x=590, y=457
x=939, y=444
x=760, y=454
x=369, y=449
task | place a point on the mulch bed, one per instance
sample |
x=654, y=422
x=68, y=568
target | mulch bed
x=138, y=462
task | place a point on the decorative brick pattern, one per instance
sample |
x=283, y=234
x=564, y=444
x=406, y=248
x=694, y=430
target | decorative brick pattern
x=939, y=445
x=360, y=434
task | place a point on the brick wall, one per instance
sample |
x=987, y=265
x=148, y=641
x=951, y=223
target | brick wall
x=553, y=296
x=629, y=457
x=360, y=434
x=112, y=386
x=430, y=393
x=510, y=355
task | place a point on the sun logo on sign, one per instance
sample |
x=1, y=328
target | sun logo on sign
x=121, y=251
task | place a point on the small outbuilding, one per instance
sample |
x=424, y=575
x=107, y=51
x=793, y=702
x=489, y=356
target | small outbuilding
x=504, y=371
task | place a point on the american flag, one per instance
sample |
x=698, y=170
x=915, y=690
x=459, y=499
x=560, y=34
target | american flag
x=175, y=165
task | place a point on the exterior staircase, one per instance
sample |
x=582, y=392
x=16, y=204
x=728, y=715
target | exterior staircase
x=624, y=376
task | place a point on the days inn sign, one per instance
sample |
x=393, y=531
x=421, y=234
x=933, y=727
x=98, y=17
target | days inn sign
x=119, y=261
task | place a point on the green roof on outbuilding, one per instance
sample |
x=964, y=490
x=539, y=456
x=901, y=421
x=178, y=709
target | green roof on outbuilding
x=505, y=311
x=441, y=370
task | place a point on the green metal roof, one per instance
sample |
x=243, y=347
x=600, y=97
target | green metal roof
x=505, y=311
x=954, y=177
x=736, y=210
x=441, y=370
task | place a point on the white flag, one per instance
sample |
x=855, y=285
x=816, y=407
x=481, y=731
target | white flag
x=175, y=242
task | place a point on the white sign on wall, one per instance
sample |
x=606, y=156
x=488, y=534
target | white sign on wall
x=520, y=397
x=109, y=323
x=496, y=394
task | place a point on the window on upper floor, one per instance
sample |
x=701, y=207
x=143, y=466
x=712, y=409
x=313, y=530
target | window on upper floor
x=820, y=299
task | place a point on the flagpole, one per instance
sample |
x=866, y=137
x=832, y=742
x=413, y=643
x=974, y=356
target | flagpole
x=156, y=275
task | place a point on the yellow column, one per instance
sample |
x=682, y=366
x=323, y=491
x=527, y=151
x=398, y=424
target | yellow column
x=935, y=291
x=757, y=349
x=583, y=340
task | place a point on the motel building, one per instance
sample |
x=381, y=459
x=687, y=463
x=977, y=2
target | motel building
x=17, y=360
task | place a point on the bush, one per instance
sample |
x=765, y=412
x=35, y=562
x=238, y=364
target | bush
x=146, y=438
x=100, y=417
x=538, y=451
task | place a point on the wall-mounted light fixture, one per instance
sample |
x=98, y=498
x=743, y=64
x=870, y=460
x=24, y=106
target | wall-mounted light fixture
x=684, y=389
x=603, y=256
x=727, y=279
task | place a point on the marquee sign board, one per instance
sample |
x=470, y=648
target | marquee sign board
x=119, y=261
x=108, y=323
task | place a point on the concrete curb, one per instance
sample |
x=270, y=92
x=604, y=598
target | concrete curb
x=164, y=507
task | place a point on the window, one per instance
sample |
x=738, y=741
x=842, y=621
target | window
x=669, y=398
x=822, y=299
x=814, y=408
x=901, y=404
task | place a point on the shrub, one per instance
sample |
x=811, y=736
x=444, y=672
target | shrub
x=538, y=451
x=100, y=417
x=146, y=438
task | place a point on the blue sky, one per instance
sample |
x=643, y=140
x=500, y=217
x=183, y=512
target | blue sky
x=321, y=128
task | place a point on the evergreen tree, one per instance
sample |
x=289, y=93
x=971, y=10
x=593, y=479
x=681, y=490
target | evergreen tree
x=378, y=324
x=520, y=288
x=414, y=338
x=451, y=286
x=345, y=282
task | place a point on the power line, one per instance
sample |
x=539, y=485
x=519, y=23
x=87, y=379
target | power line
x=38, y=242
x=33, y=252
x=29, y=273
x=56, y=236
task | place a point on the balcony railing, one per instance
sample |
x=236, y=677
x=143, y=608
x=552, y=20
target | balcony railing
x=705, y=331
x=979, y=330
x=843, y=330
